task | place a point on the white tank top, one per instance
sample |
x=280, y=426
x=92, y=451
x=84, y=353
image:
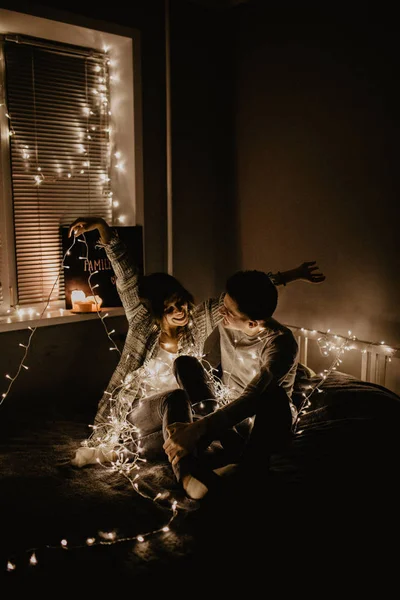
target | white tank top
x=159, y=375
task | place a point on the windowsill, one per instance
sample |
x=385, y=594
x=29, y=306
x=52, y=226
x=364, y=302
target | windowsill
x=57, y=316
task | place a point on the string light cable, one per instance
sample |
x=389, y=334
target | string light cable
x=306, y=403
x=117, y=437
x=337, y=344
x=124, y=438
x=103, y=538
x=26, y=346
x=92, y=288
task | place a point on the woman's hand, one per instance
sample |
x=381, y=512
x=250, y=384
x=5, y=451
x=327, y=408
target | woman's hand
x=83, y=224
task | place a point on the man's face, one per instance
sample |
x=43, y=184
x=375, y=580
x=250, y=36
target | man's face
x=176, y=314
x=233, y=318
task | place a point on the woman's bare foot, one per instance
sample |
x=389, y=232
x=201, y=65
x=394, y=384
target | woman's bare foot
x=91, y=456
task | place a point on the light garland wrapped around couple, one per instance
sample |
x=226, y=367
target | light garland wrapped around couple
x=122, y=439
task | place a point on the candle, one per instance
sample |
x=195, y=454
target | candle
x=84, y=304
x=83, y=307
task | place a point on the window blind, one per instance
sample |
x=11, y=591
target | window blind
x=1, y=271
x=58, y=106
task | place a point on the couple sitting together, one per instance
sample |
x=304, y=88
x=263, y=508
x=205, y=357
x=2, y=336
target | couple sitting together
x=257, y=358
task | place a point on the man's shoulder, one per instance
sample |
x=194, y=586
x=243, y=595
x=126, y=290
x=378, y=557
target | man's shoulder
x=277, y=334
x=279, y=338
x=274, y=327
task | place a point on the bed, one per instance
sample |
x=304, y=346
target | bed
x=333, y=492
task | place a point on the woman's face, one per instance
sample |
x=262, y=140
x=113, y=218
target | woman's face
x=176, y=314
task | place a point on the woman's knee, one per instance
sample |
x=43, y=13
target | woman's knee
x=175, y=397
x=184, y=363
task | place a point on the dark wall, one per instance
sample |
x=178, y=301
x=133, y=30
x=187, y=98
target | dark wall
x=317, y=131
x=69, y=367
x=204, y=212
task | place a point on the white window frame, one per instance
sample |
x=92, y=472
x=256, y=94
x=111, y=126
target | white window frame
x=123, y=47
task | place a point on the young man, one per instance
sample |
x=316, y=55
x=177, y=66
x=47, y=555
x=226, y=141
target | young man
x=259, y=361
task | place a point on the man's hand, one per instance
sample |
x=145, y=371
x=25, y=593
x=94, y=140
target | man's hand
x=309, y=271
x=182, y=440
x=83, y=224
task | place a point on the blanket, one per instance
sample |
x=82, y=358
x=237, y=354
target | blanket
x=93, y=525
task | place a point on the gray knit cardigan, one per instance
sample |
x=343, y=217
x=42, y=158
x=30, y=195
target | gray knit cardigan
x=142, y=340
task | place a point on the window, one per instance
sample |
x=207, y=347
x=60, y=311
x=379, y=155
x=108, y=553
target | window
x=65, y=152
x=57, y=100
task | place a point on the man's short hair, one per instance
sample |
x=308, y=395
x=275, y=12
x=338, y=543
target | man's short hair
x=254, y=293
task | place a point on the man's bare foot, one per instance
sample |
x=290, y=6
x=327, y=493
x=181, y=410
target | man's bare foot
x=194, y=488
x=226, y=470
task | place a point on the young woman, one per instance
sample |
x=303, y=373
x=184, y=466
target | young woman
x=143, y=397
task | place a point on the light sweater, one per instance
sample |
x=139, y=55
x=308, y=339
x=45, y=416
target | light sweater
x=247, y=361
x=142, y=340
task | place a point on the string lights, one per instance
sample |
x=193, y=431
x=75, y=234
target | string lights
x=92, y=288
x=97, y=100
x=26, y=346
x=124, y=439
x=119, y=439
x=330, y=343
x=118, y=434
x=327, y=349
x=107, y=538
x=22, y=365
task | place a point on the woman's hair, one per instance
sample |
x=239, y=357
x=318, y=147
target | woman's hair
x=254, y=293
x=159, y=289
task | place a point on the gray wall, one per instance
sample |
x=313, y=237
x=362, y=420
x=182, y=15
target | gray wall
x=317, y=132
x=202, y=87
